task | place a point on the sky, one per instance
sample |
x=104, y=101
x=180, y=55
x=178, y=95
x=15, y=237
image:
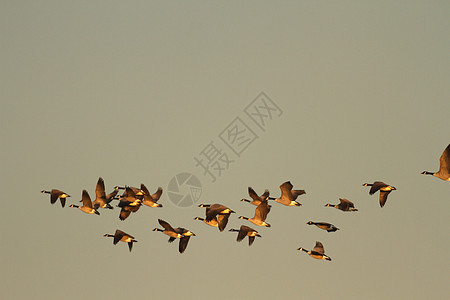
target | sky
x=139, y=92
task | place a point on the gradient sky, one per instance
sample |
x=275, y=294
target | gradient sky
x=133, y=91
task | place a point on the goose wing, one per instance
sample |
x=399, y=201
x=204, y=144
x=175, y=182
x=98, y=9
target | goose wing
x=286, y=191
x=345, y=204
x=383, y=197
x=222, y=221
x=319, y=248
x=157, y=194
x=264, y=195
x=100, y=189
x=124, y=213
x=183, y=243
x=166, y=225
x=444, y=163
x=86, y=199
x=262, y=210
x=253, y=195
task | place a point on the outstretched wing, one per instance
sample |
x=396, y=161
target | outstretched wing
x=319, y=248
x=86, y=199
x=100, y=189
x=165, y=225
x=118, y=235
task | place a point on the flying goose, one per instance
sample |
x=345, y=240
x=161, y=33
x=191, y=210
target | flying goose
x=325, y=226
x=217, y=210
x=55, y=195
x=87, y=204
x=138, y=192
x=184, y=240
x=344, y=205
x=119, y=235
x=213, y=222
x=129, y=203
x=246, y=231
x=261, y=212
x=318, y=252
x=384, y=188
x=444, y=166
x=168, y=230
x=101, y=200
x=151, y=199
x=288, y=195
x=256, y=199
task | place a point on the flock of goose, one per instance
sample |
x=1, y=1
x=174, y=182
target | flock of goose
x=217, y=215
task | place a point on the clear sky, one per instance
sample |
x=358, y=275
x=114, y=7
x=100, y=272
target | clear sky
x=135, y=91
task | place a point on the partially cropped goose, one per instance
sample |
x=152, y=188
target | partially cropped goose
x=119, y=235
x=261, y=212
x=256, y=200
x=55, y=195
x=323, y=225
x=288, y=195
x=444, y=166
x=318, y=252
x=87, y=204
x=220, y=211
x=246, y=231
x=344, y=205
x=384, y=189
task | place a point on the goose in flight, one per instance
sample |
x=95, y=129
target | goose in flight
x=246, y=231
x=87, y=204
x=318, y=252
x=444, y=166
x=288, y=195
x=55, y=195
x=344, y=205
x=384, y=189
x=323, y=225
x=256, y=200
x=119, y=235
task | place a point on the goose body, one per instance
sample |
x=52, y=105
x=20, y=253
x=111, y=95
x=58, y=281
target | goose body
x=55, y=195
x=119, y=235
x=288, y=195
x=261, y=212
x=151, y=199
x=219, y=211
x=318, y=252
x=444, y=166
x=344, y=205
x=87, y=204
x=384, y=189
x=256, y=200
x=246, y=231
x=323, y=225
